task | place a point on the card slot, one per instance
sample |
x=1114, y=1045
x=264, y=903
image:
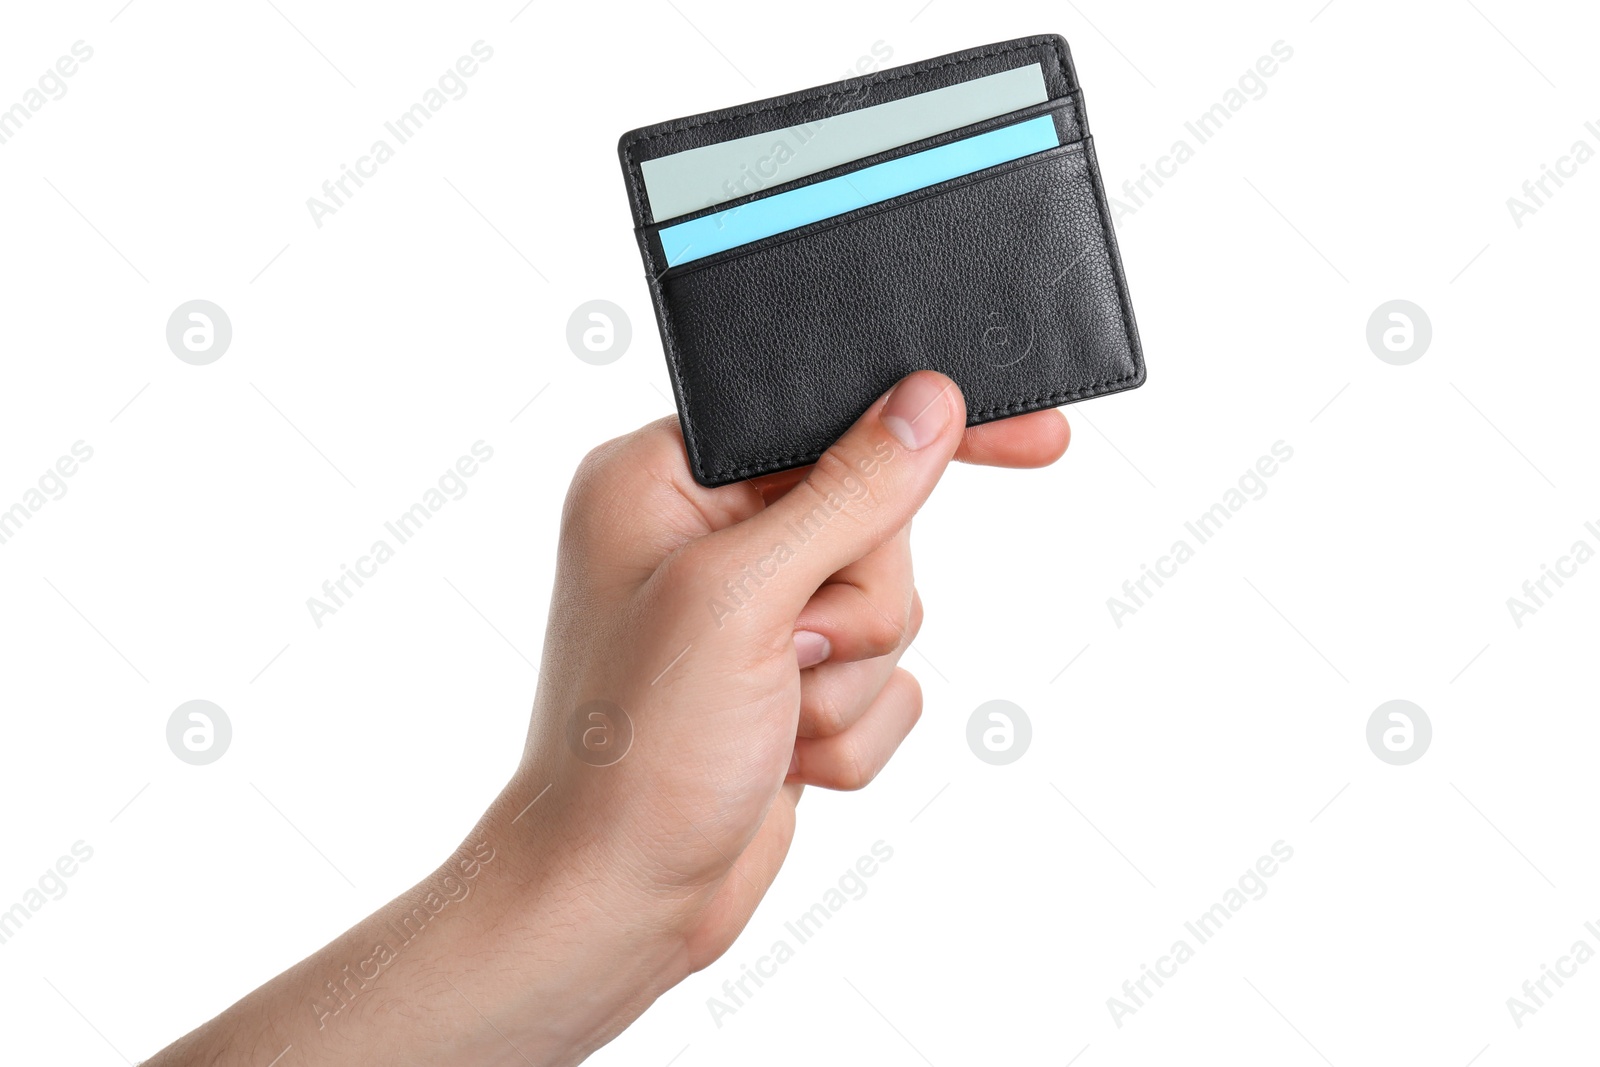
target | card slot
x=636, y=147
x=658, y=259
x=1071, y=127
x=1006, y=280
x=882, y=182
x=717, y=172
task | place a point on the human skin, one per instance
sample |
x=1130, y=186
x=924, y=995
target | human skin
x=748, y=638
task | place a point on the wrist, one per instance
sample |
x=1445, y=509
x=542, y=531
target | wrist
x=490, y=959
x=497, y=957
x=544, y=969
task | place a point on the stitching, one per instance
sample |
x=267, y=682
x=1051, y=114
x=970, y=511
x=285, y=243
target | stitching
x=680, y=385
x=1016, y=407
x=1108, y=240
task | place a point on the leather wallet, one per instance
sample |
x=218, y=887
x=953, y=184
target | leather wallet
x=807, y=251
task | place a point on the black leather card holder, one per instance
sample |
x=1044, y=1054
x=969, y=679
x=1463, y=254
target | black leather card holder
x=1007, y=279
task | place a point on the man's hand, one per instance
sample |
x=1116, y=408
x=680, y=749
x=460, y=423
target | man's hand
x=709, y=653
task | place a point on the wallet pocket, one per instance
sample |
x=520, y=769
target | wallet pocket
x=1006, y=279
x=671, y=244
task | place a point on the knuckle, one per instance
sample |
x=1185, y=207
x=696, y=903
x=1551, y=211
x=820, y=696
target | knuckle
x=620, y=469
x=879, y=634
x=910, y=691
x=855, y=770
x=596, y=481
x=826, y=713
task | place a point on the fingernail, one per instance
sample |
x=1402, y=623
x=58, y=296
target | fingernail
x=810, y=648
x=917, y=411
x=794, y=764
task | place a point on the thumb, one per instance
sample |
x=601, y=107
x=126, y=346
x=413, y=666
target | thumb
x=861, y=491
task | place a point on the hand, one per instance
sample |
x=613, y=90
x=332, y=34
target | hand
x=709, y=652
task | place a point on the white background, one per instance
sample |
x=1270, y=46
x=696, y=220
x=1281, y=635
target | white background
x=1227, y=714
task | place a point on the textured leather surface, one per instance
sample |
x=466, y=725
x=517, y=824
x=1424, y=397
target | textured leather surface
x=1008, y=280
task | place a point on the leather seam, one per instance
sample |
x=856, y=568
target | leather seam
x=680, y=386
x=762, y=466
x=1114, y=255
x=1107, y=238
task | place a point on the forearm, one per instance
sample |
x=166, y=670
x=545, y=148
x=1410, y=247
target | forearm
x=486, y=961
